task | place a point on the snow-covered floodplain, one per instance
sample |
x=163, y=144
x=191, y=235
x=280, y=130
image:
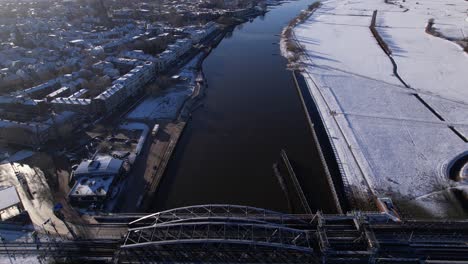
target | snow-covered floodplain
x=391, y=140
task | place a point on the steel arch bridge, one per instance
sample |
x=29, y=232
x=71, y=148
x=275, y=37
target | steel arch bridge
x=218, y=212
x=241, y=234
x=218, y=233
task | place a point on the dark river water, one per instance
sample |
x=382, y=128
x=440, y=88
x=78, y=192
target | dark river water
x=251, y=112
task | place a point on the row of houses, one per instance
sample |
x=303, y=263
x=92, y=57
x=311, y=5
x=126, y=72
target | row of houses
x=121, y=89
x=198, y=35
x=66, y=101
x=22, y=133
x=64, y=93
x=34, y=101
x=164, y=59
x=175, y=50
x=37, y=133
x=19, y=108
x=126, y=86
x=132, y=83
x=78, y=105
x=72, y=81
x=68, y=98
x=126, y=64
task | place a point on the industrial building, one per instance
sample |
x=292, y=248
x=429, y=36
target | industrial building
x=94, y=180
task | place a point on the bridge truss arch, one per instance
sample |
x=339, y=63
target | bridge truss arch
x=217, y=212
x=219, y=233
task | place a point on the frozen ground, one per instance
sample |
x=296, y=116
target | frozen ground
x=165, y=106
x=168, y=104
x=450, y=17
x=427, y=63
x=387, y=140
x=40, y=207
x=19, y=260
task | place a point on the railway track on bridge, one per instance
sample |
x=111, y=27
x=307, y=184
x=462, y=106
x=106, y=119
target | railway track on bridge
x=70, y=249
x=240, y=234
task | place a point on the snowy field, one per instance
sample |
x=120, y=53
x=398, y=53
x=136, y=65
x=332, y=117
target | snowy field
x=427, y=63
x=387, y=140
x=168, y=104
x=165, y=106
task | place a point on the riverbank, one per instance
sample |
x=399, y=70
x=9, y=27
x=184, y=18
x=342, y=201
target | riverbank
x=249, y=114
x=171, y=111
x=394, y=137
x=193, y=72
x=289, y=48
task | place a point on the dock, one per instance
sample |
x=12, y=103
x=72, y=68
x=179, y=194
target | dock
x=155, y=173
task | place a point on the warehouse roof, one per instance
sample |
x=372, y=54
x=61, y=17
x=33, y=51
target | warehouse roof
x=8, y=197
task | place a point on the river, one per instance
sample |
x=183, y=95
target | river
x=251, y=112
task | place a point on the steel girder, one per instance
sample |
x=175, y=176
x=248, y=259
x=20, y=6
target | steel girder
x=221, y=212
x=218, y=233
x=268, y=235
x=213, y=253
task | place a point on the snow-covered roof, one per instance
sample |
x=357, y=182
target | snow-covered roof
x=101, y=165
x=58, y=92
x=71, y=100
x=44, y=86
x=8, y=197
x=79, y=93
x=110, y=91
x=95, y=186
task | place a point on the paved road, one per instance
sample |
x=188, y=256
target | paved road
x=145, y=168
